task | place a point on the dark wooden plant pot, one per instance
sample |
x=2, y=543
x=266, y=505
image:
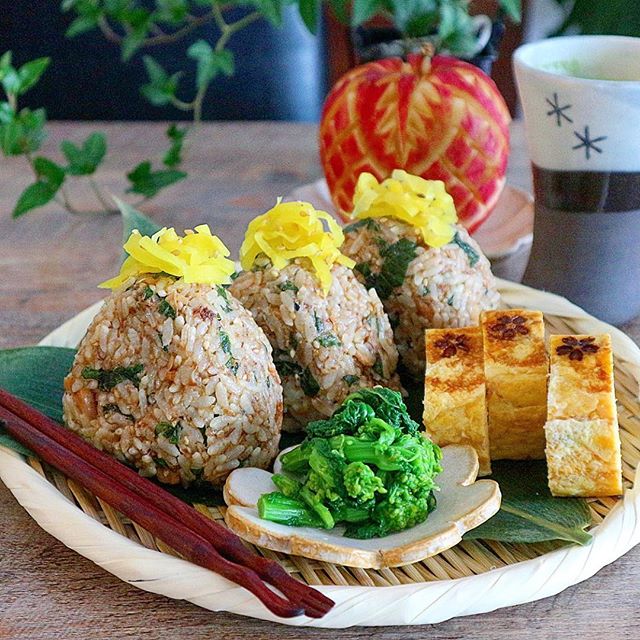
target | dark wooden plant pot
x=376, y=43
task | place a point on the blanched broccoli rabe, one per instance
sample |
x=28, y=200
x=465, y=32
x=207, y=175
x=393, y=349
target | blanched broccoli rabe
x=367, y=467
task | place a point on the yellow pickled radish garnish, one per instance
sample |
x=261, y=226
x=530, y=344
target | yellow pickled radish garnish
x=296, y=230
x=424, y=204
x=198, y=257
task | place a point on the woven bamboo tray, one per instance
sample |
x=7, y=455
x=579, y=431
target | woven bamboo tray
x=473, y=577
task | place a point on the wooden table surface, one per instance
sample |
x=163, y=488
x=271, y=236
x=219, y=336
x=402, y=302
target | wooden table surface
x=50, y=263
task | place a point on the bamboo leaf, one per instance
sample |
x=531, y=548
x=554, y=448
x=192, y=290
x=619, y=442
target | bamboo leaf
x=36, y=375
x=529, y=513
x=133, y=219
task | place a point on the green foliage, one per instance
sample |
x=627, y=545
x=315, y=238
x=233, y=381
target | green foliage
x=607, y=17
x=176, y=135
x=147, y=182
x=210, y=63
x=22, y=132
x=356, y=468
x=84, y=160
x=49, y=178
x=162, y=87
x=447, y=20
x=529, y=513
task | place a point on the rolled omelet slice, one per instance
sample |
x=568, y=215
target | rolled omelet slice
x=516, y=368
x=454, y=398
x=583, y=442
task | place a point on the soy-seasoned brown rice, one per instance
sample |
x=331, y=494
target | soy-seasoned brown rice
x=444, y=287
x=208, y=399
x=342, y=341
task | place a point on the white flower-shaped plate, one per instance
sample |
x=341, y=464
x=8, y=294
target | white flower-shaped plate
x=505, y=231
x=463, y=504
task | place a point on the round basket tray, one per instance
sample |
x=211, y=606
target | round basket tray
x=473, y=577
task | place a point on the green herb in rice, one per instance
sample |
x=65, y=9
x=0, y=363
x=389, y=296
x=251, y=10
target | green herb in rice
x=170, y=431
x=148, y=292
x=166, y=309
x=224, y=294
x=114, y=408
x=225, y=342
x=287, y=368
x=287, y=285
x=309, y=384
x=318, y=322
x=329, y=340
x=109, y=378
x=472, y=255
x=351, y=379
x=233, y=365
x=396, y=259
x=365, y=223
x=378, y=367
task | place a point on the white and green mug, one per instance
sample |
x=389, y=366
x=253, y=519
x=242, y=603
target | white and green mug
x=581, y=102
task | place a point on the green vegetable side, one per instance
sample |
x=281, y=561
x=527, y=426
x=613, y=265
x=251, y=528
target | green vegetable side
x=367, y=467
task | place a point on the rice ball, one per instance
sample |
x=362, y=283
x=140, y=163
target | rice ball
x=420, y=286
x=324, y=347
x=178, y=381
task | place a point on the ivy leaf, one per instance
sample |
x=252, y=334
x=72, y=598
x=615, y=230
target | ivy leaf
x=363, y=10
x=309, y=13
x=83, y=161
x=171, y=11
x=513, y=8
x=30, y=72
x=161, y=87
x=81, y=25
x=271, y=9
x=23, y=132
x=133, y=219
x=209, y=62
x=340, y=10
x=5, y=62
x=7, y=114
x=50, y=177
x=176, y=135
x=148, y=183
x=139, y=21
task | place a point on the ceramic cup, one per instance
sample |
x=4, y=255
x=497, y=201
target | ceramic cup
x=581, y=102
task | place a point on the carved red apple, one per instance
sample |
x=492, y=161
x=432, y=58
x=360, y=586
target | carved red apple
x=439, y=118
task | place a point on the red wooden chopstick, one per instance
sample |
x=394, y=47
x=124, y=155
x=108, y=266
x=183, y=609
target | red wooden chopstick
x=29, y=426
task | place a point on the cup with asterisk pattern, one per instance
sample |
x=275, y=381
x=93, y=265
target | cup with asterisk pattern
x=581, y=101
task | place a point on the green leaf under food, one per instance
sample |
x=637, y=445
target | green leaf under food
x=199, y=493
x=133, y=219
x=36, y=376
x=529, y=513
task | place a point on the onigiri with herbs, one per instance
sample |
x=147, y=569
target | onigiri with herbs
x=173, y=376
x=427, y=270
x=330, y=335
